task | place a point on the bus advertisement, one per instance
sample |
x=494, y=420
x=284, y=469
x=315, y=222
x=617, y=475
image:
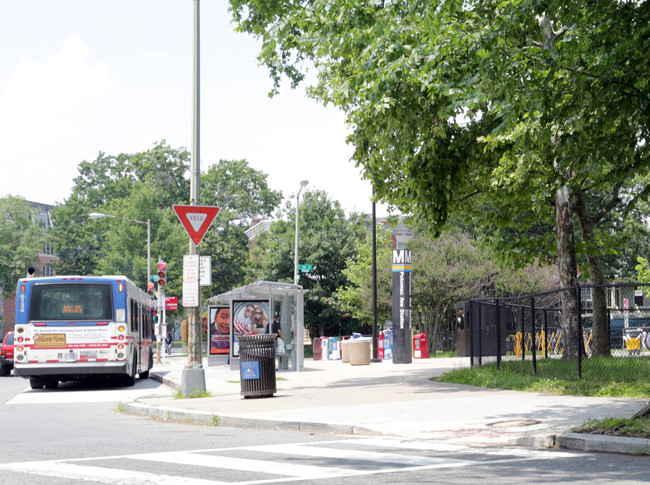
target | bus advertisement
x=75, y=327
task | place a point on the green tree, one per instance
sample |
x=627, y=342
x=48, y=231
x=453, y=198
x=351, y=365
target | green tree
x=107, y=185
x=327, y=241
x=356, y=297
x=452, y=102
x=241, y=193
x=22, y=240
x=144, y=186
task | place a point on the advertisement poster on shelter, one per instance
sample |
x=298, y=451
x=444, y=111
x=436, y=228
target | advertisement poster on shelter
x=250, y=317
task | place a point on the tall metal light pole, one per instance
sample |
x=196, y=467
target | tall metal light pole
x=303, y=183
x=375, y=350
x=193, y=377
x=97, y=215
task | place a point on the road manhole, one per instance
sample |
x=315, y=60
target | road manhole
x=514, y=423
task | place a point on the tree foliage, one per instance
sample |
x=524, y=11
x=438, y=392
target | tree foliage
x=22, y=240
x=527, y=104
x=144, y=186
x=327, y=241
x=356, y=297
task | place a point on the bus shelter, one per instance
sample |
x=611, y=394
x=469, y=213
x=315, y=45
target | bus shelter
x=260, y=308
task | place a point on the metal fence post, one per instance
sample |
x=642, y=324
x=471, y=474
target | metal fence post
x=532, y=331
x=545, y=334
x=581, y=347
x=523, y=334
x=480, y=337
x=498, y=337
x=468, y=321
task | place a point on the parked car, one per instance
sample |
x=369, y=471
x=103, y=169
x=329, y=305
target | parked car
x=7, y=354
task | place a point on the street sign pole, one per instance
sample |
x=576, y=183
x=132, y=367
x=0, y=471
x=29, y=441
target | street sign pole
x=193, y=377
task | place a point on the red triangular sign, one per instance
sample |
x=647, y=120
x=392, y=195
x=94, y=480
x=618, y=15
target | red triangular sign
x=196, y=220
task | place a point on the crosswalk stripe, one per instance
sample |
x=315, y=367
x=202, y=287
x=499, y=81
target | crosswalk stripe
x=250, y=465
x=460, y=449
x=356, y=455
x=284, y=471
x=95, y=474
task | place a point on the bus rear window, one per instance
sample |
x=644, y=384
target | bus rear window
x=71, y=302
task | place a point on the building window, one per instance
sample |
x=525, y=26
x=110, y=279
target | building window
x=48, y=270
x=47, y=248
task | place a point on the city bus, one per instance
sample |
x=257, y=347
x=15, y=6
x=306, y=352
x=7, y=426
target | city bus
x=75, y=327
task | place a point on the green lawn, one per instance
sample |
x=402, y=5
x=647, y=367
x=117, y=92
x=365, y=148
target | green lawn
x=611, y=376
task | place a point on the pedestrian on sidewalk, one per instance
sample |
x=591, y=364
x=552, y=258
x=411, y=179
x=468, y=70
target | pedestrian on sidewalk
x=169, y=340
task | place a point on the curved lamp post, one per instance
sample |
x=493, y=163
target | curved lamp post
x=97, y=215
x=303, y=183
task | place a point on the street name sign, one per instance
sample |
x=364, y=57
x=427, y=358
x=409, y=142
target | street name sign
x=196, y=220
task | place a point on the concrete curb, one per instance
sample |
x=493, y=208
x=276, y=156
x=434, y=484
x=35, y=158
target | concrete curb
x=196, y=416
x=605, y=444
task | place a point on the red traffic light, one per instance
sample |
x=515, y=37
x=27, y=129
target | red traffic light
x=150, y=288
x=162, y=273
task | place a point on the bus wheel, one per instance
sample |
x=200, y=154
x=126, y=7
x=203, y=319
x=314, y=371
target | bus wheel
x=51, y=384
x=36, y=383
x=129, y=379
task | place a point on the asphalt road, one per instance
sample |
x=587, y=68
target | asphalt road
x=76, y=434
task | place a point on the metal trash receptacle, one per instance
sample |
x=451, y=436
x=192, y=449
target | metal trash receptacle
x=257, y=365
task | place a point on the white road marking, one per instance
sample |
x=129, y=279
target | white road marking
x=230, y=463
x=356, y=455
x=95, y=474
x=387, y=462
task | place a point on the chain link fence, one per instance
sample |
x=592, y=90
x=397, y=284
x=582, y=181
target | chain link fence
x=595, y=338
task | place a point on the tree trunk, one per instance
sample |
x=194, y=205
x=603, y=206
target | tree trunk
x=600, y=330
x=567, y=271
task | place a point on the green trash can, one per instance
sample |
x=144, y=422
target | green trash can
x=257, y=365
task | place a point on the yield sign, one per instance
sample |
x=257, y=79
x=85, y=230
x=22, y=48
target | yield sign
x=196, y=220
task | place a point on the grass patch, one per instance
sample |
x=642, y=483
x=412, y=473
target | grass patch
x=193, y=395
x=604, y=376
x=634, y=427
x=120, y=407
x=444, y=354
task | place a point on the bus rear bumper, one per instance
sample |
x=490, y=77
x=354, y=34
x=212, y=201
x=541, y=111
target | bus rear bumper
x=77, y=369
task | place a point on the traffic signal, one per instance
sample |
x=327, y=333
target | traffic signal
x=162, y=273
x=150, y=288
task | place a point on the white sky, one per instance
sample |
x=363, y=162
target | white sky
x=82, y=76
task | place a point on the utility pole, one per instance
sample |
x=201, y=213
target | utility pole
x=193, y=377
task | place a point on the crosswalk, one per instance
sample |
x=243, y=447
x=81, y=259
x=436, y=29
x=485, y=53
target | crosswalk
x=272, y=463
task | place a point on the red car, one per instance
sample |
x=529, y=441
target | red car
x=7, y=354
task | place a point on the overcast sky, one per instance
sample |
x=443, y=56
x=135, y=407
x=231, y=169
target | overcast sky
x=82, y=76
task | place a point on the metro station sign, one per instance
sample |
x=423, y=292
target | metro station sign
x=196, y=220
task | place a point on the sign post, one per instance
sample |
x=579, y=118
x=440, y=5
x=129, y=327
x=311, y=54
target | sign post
x=402, y=268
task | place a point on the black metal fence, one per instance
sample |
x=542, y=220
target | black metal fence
x=530, y=329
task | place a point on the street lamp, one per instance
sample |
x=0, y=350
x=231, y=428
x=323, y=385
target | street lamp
x=97, y=215
x=303, y=183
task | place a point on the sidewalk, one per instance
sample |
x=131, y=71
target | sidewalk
x=393, y=400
